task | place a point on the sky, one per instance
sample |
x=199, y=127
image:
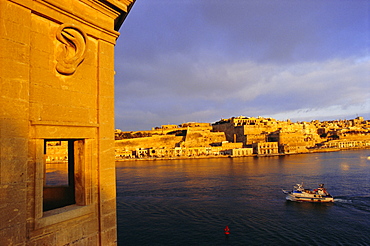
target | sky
x=179, y=61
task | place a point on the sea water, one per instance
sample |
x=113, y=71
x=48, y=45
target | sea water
x=189, y=202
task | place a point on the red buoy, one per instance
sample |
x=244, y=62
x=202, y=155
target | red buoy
x=227, y=230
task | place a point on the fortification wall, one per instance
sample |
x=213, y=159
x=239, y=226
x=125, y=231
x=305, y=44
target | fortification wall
x=194, y=138
x=156, y=141
x=203, y=138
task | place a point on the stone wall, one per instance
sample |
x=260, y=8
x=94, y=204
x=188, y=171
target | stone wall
x=156, y=141
x=196, y=138
x=56, y=83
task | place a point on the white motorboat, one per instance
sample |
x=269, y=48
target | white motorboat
x=300, y=194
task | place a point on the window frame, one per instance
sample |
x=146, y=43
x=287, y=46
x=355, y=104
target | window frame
x=73, y=192
x=83, y=162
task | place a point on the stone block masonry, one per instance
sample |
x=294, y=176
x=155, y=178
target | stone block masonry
x=57, y=86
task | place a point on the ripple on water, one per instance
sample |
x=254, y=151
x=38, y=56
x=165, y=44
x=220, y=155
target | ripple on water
x=190, y=204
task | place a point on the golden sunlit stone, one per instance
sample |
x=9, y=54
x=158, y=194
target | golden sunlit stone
x=56, y=83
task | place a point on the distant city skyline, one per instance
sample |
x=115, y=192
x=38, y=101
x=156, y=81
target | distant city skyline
x=200, y=61
x=181, y=124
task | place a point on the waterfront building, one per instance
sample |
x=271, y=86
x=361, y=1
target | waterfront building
x=247, y=130
x=266, y=136
x=57, y=105
x=267, y=148
x=296, y=141
x=346, y=144
x=227, y=145
x=123, y=154
x=238, y=152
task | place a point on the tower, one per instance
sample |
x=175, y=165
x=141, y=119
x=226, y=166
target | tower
x=57, y=88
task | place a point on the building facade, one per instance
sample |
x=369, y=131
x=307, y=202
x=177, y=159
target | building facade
x=269, y=148
x=57, y=87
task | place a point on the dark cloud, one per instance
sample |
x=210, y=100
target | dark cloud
x=192, y=60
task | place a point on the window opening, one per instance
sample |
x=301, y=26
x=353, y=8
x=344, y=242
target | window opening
x=59, y=173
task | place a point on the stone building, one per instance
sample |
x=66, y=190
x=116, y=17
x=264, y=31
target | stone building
x=290, y=137
x=123, y=154
x=205, y=126
x=345, y=144
x=238, y=152
x=270, y=148
x=56, y=83
x=294, y=139
x=227, y=145
x=247, y=130
x=236, y=137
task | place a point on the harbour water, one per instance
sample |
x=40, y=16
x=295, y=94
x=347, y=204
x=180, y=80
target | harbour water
x=189, y=202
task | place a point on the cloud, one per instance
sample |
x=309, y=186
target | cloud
x=226, y=90
x=188, y=60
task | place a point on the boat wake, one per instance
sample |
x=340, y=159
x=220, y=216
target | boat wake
x=358, y=203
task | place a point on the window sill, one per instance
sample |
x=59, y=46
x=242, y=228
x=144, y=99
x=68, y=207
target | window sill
x=63, y=214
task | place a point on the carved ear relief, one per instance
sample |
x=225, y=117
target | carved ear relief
x=74, y=41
